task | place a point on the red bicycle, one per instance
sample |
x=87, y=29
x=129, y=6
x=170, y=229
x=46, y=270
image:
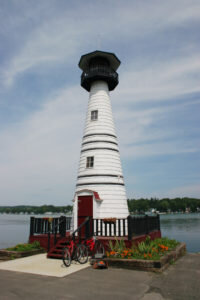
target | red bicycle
x=73, y=251
x=95, y=247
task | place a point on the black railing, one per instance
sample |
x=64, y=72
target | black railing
x=111, y=227
x=142, y=225
x=52, y=225
x=99, y=73
x=132, y=226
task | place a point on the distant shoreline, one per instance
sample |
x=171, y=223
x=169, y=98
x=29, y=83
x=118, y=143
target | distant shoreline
x=36, y=210
x=136, y=206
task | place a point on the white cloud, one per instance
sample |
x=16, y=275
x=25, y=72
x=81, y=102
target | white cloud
x=158, y=148
x=39, y=154
x=140, y=133
x=39, y=157
x=58, y=37
x=162, y=81
x=192, y=190
x=139, y=19
x=133, y=124
x=46, y=46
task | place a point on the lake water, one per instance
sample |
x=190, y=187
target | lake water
x=14, y=229
x=184, y=228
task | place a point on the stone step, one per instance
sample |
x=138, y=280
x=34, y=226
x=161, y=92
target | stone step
x=4, y=258
x=52, y=255
x=58, y=251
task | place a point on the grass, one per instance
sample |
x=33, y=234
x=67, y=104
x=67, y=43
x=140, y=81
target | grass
x=147, y=250
x=25, y=247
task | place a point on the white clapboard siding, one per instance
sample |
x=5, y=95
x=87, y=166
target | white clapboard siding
x=100, y=141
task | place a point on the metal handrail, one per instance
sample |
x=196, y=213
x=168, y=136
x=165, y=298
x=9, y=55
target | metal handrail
x=54, y=227
x=53, y=230
x=79, y=228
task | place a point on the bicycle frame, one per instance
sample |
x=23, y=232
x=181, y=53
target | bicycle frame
x=90, y=244
x=71, y=247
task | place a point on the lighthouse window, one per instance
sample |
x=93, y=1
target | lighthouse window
x=94, y=115
x=90, y=162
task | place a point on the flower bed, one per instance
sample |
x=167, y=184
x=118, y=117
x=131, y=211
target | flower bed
x=149, y=255
x=21, y=250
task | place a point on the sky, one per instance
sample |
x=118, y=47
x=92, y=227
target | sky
x=156, y=105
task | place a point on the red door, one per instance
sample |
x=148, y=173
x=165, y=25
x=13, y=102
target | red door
x=85, y=208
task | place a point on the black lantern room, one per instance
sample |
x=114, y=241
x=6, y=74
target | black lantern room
x=99, y=65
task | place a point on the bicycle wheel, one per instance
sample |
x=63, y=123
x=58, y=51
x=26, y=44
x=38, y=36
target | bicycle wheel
x=99, y=248
x=66, y=257
x=82, y=254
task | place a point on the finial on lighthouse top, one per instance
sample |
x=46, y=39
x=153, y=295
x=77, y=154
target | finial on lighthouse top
x=99, y=65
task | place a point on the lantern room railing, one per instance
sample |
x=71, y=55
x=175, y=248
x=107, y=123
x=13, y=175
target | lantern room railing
x=99, y=73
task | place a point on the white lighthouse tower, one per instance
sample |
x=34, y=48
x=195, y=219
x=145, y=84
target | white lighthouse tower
x=100, y=191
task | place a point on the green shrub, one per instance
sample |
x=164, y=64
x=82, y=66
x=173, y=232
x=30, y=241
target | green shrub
x=148, y=249
x=25, y=247
x=167, y=242
x=117, y=246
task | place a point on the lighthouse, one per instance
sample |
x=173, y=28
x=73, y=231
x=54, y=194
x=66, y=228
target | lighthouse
x=100, y=189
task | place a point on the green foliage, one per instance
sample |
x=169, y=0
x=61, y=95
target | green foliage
x=171, y=244
x=35, y=209
x=148, y=249
x=146, y=246
x=164, y=205
x=143, y=248
x=25, y=247
x=117, y=246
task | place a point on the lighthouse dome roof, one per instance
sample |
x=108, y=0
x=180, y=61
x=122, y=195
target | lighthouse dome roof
x=110, y=57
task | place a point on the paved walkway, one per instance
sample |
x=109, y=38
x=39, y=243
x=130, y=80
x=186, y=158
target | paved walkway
x=40, y=265
x=180, y=281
